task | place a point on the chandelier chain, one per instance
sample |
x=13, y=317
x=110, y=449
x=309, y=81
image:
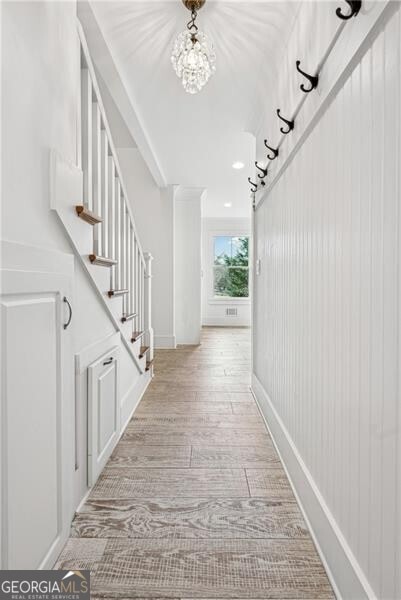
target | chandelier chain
x=191, y=25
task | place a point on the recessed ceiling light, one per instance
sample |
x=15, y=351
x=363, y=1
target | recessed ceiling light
x=227, y=204
x=238, y=165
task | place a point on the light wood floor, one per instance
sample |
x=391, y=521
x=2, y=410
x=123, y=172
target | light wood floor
x=194, y=502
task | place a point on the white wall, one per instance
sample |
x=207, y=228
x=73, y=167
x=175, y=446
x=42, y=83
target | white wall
x=214, y=310
x=327, y=307
x=187, y=264
x=39, y=112
x=40, y=98
x=154, y=218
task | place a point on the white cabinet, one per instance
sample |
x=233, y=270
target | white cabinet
x=37, y=406
x=103, y=412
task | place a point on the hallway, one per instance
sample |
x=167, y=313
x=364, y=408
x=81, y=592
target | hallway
x=194, y=502
x=176, y=171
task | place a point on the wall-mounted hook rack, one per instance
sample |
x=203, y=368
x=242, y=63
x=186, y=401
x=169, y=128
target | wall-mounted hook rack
x=262, y=170
x=313, y=79
x=254, y=185
x=274, y=150
x=355, y=6
x=290, y=124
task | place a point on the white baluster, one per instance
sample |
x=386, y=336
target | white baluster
x=133, y=308
x=130, y=307
x=118, y=234
x=127, y=259
x=148, y=304
x=112, y=218
x=137, y=327
x=86, y=152
x=140, y=326
x=123, y=251
x=96, y=175
x=129, y=266
x=105, y=194
x=142, y=293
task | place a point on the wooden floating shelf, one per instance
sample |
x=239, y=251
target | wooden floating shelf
x=88, y=216
x=113, y=293
x=136, y=335
x=143, y=351
x=102, y=261
x=149, y=364
x=129, y=317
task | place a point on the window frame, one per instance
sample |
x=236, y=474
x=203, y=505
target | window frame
x=212, y=299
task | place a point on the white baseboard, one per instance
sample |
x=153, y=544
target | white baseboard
x=165, y=341
x=344, y=572
x=83, y=500
x=132, y=398
x=225, y=322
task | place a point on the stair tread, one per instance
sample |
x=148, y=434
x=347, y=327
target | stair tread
x=103, y=261
x=136, y=335
x=149, y=363
x=143, y=351
x=87, y=215
x=128, y=317
x=117, y=292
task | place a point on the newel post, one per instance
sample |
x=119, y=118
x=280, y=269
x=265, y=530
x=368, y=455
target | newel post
x=148, y=303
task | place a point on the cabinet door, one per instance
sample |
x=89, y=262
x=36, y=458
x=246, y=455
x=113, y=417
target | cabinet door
x=37, y=410
x=103, y=412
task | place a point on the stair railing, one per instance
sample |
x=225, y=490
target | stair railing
x=116, y=244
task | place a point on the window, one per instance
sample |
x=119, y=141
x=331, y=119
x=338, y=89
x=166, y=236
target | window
x=231, y=267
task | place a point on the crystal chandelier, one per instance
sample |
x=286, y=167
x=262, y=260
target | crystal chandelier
x=193, y=56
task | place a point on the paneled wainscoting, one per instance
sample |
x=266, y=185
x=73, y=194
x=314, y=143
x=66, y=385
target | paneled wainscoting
x=194, y=502
x=327, y=308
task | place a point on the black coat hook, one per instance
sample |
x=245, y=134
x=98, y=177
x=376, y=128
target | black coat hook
x=290, y=124
x=255, y=185
x=262, y=170
x=355, y=6
x=274, y=150
x=313, y=79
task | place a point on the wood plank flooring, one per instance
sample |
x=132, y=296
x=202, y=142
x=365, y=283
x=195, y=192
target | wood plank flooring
x=194, y=502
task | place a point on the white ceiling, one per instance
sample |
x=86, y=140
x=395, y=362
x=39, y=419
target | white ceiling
x=196, y=138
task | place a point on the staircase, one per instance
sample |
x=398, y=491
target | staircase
x=100, y=223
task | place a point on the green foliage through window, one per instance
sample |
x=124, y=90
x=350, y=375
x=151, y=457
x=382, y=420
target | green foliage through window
x=231, y=267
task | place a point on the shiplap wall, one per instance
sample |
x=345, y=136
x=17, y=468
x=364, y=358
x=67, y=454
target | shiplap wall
x=328, y=304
